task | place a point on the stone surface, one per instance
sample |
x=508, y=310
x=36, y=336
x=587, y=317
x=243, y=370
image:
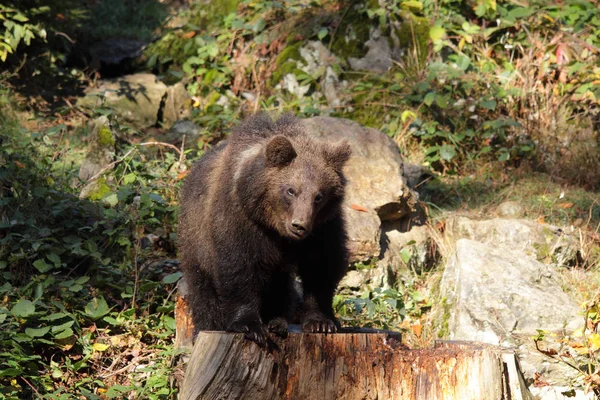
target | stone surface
x=379, y=55
x=177, y=105
x=114, y=51
x=560, y=393
x=376, y=189
x=415, y=174
x=101, y=149
x=414, y=250
x=510, y=209
x=543, y=241
x=318, y=61
x=498, y=295
x=135, y=98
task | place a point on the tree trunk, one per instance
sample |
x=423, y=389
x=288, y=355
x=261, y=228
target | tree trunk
x=348, y=366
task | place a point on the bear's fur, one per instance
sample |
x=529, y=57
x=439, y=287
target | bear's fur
x=256, y=210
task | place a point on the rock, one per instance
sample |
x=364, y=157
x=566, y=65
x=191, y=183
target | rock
x=115, y=51
x=319, y=61
x=497, y=295
x=560, y=393
x=177, y=105
x=414, y=250
x=135, y=98
x=510, y=209
x=415, y=174
x=180, y=128
x=544, y=242
x=101, y=149
x=379, y=55
x=353, y=280
x=407, y=43
x=376, y=189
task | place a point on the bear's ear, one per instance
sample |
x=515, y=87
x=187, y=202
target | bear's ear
x=279, y=152
x=337, y=155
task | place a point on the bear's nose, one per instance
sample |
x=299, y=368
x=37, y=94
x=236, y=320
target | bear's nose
x=299, y=226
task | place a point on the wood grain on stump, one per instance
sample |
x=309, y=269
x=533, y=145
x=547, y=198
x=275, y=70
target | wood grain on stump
x=347, y=366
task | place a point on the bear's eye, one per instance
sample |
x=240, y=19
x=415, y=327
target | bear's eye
x=291, y=192
x=318, y=198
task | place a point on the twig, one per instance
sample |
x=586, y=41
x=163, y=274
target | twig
x=112, y=164
x=65, y=36
x=337, y=26
x=181, y=152
x=31, y=386
x=161, y=144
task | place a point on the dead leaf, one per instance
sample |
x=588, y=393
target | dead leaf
x=565, y=205
x=417, y=329
x=189, y=35
x=358, y=208
x=182, y=175
x=541, y=220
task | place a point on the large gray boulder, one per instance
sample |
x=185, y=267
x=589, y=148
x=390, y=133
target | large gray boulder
x=376, y=190
x=494, y=294
x=542, y=241
x=135, y=98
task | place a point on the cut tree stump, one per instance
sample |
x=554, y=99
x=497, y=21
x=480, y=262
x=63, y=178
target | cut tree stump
x=347, y=366
x=358, y=364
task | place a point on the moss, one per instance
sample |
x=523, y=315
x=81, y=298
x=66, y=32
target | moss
x=414, y=33
x=212, y=12
x=352, y=35
x=287, y=63
x=105, y=137
x=444, y=327
x=100, y=190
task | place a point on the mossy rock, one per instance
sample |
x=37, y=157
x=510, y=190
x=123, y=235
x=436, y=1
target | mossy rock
x=287, y=62
x=105, y=137
x=413, y=33
x=211, y=12
x=352, y=35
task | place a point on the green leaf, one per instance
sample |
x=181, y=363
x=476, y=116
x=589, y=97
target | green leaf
x=55, y=259
x=111, y=200
x=97, y=308
x=322, y=33
x=62, y=327
x=447, y=152
x=67, y=333
x=54, y=317
x=504, y=156
x=260, y=25
x=489, y=104
x=406, y=255
x=37, y=332
x=437, y=32
x=23, y=308
x=42, y=266
x=129, y=178
x=172, y=278
x=429, y=98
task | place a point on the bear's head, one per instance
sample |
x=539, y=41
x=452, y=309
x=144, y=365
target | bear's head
x=305, y=184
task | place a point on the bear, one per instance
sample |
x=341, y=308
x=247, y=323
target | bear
x=256, y=211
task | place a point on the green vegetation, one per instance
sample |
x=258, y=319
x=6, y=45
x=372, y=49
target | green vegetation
x=499, y=99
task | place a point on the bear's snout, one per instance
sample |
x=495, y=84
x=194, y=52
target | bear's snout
x=299, y=227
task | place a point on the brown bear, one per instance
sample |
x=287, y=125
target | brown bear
x=256, y=210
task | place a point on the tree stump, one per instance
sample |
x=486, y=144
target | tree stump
x=347, y=366
x=354, y=364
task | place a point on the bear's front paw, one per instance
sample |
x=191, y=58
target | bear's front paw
x=254, y=331
x=278, y=326
x=318, y=324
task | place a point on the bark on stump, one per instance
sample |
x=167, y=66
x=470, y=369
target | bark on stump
x=347, y=366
